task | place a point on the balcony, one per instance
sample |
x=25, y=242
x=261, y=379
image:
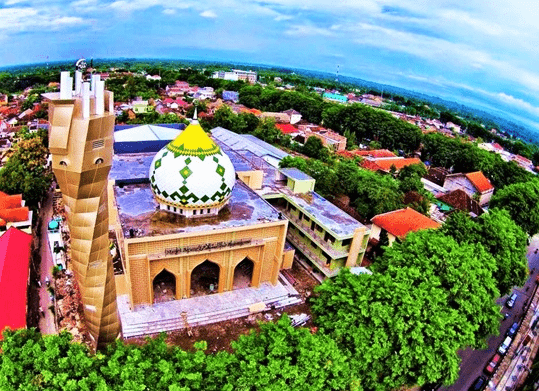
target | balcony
x=330, y=250
x=314, y=258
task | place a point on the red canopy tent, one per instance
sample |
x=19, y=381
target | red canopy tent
x=14, y=263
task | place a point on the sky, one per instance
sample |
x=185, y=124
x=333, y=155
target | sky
x=475, y=52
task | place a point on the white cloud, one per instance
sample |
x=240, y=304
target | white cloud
x=208, y=14
x=511, y=100
x=169, y=11
x=281, y=17
x=307, y=30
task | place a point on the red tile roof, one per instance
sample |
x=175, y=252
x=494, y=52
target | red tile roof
x=286, y=128
x=400, y=222
x=374, y=153
x=370, y=165
x=386, y=164
x=480, y=181
x=14, y=263
x=11, y=209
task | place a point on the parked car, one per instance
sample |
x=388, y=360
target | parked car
x=511, y=301
x=493, y=363
x=512, y=330
x=478, y=384
x=502, y=349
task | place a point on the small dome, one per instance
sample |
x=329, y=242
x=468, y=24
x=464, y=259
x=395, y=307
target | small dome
x=191, y=175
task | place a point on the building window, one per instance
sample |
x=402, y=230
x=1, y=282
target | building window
x=63, y=163
x=347, y=242
x=194, y=212
x=168, y=207
x=328, y=259
x=329, y=238
x=175, y=209
x=99, y=160
x=181, y=211
x=307, y=219
x=209, y=210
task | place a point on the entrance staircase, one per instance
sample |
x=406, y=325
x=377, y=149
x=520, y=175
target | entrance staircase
x=202, y=310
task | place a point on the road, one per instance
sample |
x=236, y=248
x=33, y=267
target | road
x=46, y=322
x=473, y=361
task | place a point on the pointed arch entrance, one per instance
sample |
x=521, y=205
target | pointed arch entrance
x=243, y=274
x=205, y=279
x=164, y=287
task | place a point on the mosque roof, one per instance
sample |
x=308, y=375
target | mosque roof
x=192, y=172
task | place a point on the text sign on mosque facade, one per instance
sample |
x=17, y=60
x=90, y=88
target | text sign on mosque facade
x=207, y=246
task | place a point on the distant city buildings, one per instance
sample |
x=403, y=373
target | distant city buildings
x=235, y=75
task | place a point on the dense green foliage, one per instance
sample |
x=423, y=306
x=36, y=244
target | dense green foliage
x=501, y=237
x=25, y=172
x=403, y=325
x=467, y=157
x=370, y=193
x=373, y=124
x=278, y=357
x=521, y=200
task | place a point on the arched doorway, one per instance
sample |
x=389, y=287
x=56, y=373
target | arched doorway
x=243, y=274
x=164, y=287
x=205, y=279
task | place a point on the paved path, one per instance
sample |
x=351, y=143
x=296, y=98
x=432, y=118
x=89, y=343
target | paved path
x=47, y=324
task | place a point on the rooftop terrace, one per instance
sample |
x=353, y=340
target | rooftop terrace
x=138, y=211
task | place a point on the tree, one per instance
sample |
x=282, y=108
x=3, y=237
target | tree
x=404, y=324
x=315, y=148
x=521, y=201
x=281, y=357
x=501, y=237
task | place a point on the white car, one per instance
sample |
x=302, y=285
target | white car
x=502, y=349
x=511, y=301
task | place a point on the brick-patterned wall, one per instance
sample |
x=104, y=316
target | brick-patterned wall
x=140, y=280
x=142, y=271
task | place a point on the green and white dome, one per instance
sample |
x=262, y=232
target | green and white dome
x=191, y=176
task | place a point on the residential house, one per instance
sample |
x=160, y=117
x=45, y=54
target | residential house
x=282, y=118
x=204, y=93
x=141, y=107
x=400, y=223
x=14, y=213
x=232, y=96
x=475, y=184
x=453, y=127
x=458, y=199
x=287, y=129
x=295, y=116
x=3, y=99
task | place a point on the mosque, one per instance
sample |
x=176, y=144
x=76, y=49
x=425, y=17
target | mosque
x=198, y=215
